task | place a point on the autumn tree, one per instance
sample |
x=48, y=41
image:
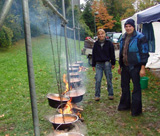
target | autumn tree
x=103, y=19
x=144, y=4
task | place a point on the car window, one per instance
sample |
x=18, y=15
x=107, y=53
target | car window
x=116, y=35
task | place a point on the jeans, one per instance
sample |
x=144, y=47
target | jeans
x=106, y=67
x=126, y=102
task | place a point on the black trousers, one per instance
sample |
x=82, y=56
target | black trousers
x=126, y=102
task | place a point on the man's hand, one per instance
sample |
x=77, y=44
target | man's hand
x=119, y=70
x=93, y=68
x=142, y=71
x=112, y=66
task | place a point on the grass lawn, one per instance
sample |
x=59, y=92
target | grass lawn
x=100, y=118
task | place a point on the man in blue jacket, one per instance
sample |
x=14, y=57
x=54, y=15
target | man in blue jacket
x=103, y=58
x=133, y=57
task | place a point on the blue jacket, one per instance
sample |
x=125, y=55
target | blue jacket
x=103, y=54
x=137, y=50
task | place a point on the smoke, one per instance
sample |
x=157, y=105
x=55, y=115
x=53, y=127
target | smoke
x=79, y=127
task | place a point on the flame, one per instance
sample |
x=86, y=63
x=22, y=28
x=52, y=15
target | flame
x=68, y=108
x=67, y=85
x=79, y=115
x=80, y=68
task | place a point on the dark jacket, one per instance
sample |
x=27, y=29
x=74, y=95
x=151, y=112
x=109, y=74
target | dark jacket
x=137, y=50
x=104, y=53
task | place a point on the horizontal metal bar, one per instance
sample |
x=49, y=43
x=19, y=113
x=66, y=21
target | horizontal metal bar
x=47, y=3
x=77, y=28
x=5, y=11
x=70, y=28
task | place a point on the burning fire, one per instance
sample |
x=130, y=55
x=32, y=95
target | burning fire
x=67, y=85
x=68, y=108
x=82, y=68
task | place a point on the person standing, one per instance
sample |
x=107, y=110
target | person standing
x=103, y=58
x=133, y=57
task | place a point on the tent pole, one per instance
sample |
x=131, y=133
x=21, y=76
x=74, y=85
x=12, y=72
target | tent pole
x=66, y=45
x=74, y=31
x=30, y=67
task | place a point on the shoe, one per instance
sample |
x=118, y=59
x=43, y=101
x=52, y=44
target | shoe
x=110, y=97
x=123, y=109
x=97, y=98
x=137, y=114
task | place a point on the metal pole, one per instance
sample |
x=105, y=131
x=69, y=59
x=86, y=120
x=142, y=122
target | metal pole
x=94, y=25
x=30, y=67
x=5, y=11
x=49, y=4
x=74, y=31
x=79, y=30
x=95, y=13
x=79, y=40
x=66, y=45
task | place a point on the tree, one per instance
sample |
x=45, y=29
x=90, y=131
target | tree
x=142, y=5
x=103, y=19
x=120, y=9
x=87, y=16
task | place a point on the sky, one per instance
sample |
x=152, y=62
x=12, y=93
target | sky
x=82, y=1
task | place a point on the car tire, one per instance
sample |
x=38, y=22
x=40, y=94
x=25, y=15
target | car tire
x=90, y=60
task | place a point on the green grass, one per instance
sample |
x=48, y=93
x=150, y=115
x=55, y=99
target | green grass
x=100, y=118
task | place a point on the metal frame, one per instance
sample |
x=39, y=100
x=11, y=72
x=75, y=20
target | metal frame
x=5, y=11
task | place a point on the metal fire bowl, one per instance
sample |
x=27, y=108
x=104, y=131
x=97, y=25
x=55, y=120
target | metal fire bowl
x=55, y=100
x=70, y=134
x=75, y=82
x=63, y=121
x=74, y=75
x=76, y=95
x=73, y=69
x=74, y=66
x=80, y=63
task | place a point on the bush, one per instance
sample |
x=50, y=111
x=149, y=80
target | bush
x=6, y=35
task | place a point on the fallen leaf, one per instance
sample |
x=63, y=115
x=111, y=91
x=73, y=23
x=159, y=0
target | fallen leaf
x=1, y=115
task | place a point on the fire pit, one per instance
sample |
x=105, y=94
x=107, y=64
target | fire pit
x=70, y=134
x=55, y=100
x=75, y=82
x=76, y=94
x=63, y=121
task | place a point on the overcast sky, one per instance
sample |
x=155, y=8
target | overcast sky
x=82, y=1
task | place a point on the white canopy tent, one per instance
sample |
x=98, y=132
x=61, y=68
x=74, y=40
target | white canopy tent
x=150, y=15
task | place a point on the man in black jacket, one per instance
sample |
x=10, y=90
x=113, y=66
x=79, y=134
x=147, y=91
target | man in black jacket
x=133, y=57
x=103, y=58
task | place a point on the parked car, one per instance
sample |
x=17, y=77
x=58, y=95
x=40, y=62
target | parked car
x=109, y=34
x=87, y=49
x=114, y=38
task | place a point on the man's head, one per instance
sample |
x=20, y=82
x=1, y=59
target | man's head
x=101, y=34
x=129, y=26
